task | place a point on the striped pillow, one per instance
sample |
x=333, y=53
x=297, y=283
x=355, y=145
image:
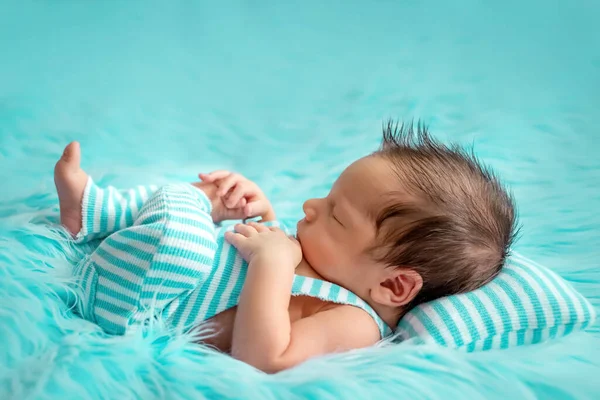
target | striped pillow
x=525, y=304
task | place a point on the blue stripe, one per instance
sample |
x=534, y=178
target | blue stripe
x=109, y=327
x=114, y=294
x=118, y=213
x=158, y=296
x=90, y=208
x=429, y=326
x=516, y=301
x=140, y=236
x=449, y=322
x=464, y=314
x=216, y=300
x=334, y=292
x=190, y=254
x=239, y=284
x=549, y=295
x=119, y=263
x=504, y=316
x=104, y=212
x=128, y=212
x=537, y=306
x=316, y=287
x=194, y=316
x=113, y=308
x=192, y=273
x=119, y=281
x=485, y=316
x=130, y=250
x=298, y=281
x=351, y=298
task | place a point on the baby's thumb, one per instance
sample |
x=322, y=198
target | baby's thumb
x=255, y=209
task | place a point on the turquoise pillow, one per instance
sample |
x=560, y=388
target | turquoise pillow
x=525, y=304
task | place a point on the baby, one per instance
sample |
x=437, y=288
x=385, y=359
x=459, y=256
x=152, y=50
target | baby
x=412, y=222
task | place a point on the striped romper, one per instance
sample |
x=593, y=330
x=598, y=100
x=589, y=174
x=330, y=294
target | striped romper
x=162, y=257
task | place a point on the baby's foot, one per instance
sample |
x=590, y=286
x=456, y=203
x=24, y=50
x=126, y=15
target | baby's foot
x=70, y=181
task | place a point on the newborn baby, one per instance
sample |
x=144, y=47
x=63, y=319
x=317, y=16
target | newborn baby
x=412, y=222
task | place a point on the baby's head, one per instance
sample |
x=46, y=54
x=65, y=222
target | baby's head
x=412, y=222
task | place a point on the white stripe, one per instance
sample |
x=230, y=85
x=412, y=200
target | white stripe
x=438, y=322
x=168, y=275
x=306, y=285
x=110, y=226
x=122, y=273
x=133, y=204
x=180, y=262
x=477, y=320
x=496, y=342
x=190, y=230
x=121, y=255
x=418, y=327
x=102, y=281
x=145, y=216
x=114, y=318
x=525, y=300
x=235, y=273
x=189, y=306
x=110, y=299
x=543, y=299
x=122, y=206
x=143, y=194
x=562, y=302
x=494, y=315
x=560, y=282
x=137, y=244
x=216, y=281
x=324, y=292
x=528, y=339
x=98, y=210
x=342, y=295
x=458, y=319
x=203, y=219
x=90, y=276
x=189, y=245
x=511, y=310
x=162, y=289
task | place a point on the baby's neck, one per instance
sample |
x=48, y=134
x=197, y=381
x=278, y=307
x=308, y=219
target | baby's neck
x=388, y=315
x=304, y=269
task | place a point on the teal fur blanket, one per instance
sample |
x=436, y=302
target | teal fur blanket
x=289, y=95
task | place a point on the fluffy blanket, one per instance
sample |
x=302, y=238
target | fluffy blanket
x=289, y=95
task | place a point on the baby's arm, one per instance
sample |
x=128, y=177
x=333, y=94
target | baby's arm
x=263, y=335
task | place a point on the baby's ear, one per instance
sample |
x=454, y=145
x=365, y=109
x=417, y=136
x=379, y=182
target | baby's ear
x=398, y=287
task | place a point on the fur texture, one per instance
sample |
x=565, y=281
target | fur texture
x=159, y=93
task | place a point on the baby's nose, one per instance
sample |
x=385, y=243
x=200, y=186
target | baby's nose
x=309, y=211
x=310, y=214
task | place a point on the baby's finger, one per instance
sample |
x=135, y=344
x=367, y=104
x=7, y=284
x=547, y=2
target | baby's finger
x=235, y=239
x=256, y=208
x=245, y=229
x=226, y=184
x=219, y=174
x=236, y=195
x=259, y=227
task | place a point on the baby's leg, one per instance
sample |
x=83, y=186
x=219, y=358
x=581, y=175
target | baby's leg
x=136, y=272
x=88, y=211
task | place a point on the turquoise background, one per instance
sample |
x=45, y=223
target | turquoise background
x=289, y=94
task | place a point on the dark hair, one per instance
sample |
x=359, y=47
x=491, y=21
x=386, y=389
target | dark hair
x=451, y=220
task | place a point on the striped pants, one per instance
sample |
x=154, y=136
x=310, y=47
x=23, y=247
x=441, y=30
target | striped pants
x=159, y=244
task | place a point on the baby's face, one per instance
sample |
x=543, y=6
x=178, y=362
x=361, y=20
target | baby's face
x=338, y=229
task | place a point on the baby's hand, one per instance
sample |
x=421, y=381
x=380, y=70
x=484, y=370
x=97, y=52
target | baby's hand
x=242, y=197
x=255, y=241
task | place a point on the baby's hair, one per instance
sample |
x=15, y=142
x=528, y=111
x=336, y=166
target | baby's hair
x=449, y=218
